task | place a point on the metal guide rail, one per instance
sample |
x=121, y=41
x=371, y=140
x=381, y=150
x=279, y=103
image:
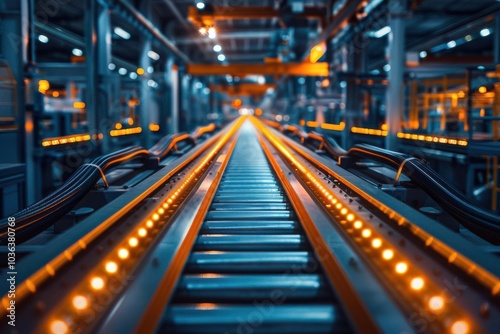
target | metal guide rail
x=256, y=236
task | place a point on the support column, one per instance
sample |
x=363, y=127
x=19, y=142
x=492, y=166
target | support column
x=92, y=70
x=14, y=16
x=174, y=102
x=105, y=97
x=395, y=91
x=496, y=36
x=146, y=97
x=185, y=105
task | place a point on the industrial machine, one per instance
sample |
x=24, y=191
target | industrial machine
x=254, y=228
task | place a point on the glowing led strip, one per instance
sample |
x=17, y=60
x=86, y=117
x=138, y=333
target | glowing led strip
x=394, y=266
x=125, y=132
x=66, y=140
x=433, y=139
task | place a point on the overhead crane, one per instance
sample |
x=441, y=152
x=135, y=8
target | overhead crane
x=250, y=230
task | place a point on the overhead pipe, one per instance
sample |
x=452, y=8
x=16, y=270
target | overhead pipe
x=152, y=29
x=173, y=8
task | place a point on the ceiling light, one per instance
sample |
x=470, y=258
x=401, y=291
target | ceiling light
x=217, y=48
x=111, y=66
x=122, y=71
x=153, y=55
x=485, y=32
x=200, y=5
x=77, y=52
x=44, y=39
x=203, y=30
x=423, y=54
x=480, y=67
x=261, y=80
x=198, y=85
x=211, y=33
x=133, y=75
x=451, y=44
x=381, y=32
x=221, y=57
x=387, y=67
x=122, y=33
x=150, y=69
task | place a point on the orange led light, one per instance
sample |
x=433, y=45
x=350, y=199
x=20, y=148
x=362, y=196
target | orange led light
x=366, y=233
x=149, y=223
x=58, y=327
x=388, y=254
x=357, y=224
x=376, y=243
x=133, y=242
x=123, y=253
x=460, y=327
x=142, y=232
x=401, y=267
x=97, y=283
x=80, y=302
x=436, y=303
x=111, y=267
x=417, y=283
x=155, y=217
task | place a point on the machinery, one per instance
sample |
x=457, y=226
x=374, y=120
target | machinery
x=255, y=228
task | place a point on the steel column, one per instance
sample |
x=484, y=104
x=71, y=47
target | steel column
x=91, y=69
x=395, y=88
x=174, y=105
x=146, y=96
x=496, y=36
x=105, y=98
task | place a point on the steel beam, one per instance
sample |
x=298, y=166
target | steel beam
x=243, y=89
x=152, y=29
x=207, y=17
x=222, y=35
x=91, y=66
x=295, y=69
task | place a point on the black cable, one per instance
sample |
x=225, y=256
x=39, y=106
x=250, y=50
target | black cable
x=482, y=222
x=40, y=215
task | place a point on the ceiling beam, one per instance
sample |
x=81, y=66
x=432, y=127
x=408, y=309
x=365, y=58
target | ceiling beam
x=230, y=35
x=243, y=89
x=294, y=69
x=208, y=16
x=151, y=28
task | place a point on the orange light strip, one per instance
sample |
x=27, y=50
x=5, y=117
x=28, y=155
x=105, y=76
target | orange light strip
x=154, y=127
x=333, y=127
x=433, y=139
x=372, y=132
x=312, y=124
x=125, y=132
x=396, y=267
x=65, y=140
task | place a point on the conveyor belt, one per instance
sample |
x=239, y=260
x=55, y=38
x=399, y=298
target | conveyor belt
x=252, y=267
